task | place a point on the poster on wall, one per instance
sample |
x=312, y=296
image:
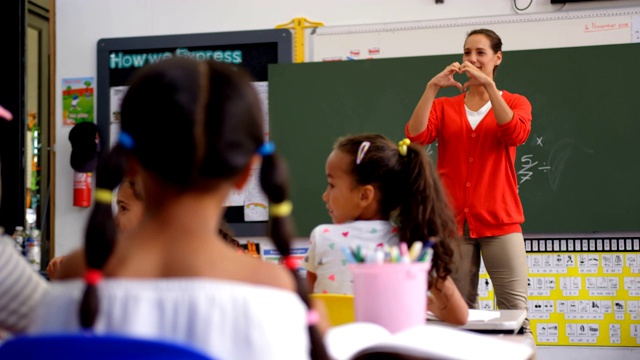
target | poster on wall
x=119, y=58
x=271, y=254
x=116, y=94
x=77, y=100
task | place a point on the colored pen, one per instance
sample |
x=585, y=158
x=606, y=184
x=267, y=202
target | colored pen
x=428, y=255
x=393, y=254
x=415, y=250
x=404, y=253
x=348, y=255
x=379, y=256
x=369, y=256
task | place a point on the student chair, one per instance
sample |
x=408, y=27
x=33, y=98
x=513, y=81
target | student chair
x=339, y=307
x=94, y=347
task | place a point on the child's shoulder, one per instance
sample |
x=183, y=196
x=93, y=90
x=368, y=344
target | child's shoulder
x=325, y=228
x=260, y=272
x=359, y=226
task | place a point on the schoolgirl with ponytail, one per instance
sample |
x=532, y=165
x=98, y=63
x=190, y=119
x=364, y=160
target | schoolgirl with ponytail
x=190, y=132
x=383, y=193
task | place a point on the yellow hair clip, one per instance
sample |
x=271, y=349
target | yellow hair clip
x=104, y=196
x=402, y=146
x=282, y=209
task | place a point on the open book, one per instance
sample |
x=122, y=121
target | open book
x=429, y=341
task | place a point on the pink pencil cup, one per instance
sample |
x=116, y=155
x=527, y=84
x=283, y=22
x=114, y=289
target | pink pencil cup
x=393, y=295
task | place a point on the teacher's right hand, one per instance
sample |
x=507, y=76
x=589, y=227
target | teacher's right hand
x=445, y=78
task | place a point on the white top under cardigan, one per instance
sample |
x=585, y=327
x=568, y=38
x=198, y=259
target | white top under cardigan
x=226, y=319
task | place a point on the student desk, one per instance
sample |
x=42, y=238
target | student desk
x=509, y=322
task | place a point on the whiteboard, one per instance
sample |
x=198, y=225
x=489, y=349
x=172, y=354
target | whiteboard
x=438, y=37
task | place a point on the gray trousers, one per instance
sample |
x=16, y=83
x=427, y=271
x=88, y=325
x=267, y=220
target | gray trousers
x=506, y=262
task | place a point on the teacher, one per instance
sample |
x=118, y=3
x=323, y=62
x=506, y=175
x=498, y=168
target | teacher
x=477, y=133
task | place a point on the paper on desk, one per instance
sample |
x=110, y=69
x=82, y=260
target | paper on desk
x=474, y=315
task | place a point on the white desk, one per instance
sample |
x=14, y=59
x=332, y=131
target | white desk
x=509, y=322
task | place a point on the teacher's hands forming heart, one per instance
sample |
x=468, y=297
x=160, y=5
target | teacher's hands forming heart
x=475, y=75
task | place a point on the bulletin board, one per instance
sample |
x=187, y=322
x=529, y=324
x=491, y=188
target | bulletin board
x=119, y=58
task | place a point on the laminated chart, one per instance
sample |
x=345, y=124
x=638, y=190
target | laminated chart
x=584, y=291
x=581, y=291
x=486, y=300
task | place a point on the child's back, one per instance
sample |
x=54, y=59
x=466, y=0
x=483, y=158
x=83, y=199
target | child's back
x=219, y=301
x=226, y=319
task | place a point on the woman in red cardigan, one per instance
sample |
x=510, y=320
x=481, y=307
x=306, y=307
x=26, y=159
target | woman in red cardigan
x=477, y=133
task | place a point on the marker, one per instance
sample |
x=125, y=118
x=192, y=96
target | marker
x=348, y=255
x=370, y=257
x=364, y=254
x=379, y=256
x=428, y=255
x=415, y=250
x=427, y=245
x=404, y=253
x=358, y=255
x=393, y=254
x=385, y=250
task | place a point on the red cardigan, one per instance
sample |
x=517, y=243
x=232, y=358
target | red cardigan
x=477, y=166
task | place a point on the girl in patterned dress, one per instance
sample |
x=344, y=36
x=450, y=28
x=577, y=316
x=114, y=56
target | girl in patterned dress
x=380, y=193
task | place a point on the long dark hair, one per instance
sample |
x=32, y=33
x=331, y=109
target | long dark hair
x=191, y=124
x=410, y=194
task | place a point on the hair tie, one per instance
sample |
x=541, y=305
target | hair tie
x=291, y=262
x=125, y=140
x=267, y=149
x=361, y=151
x=313, y=317
x=104, y=196
x=402, y=146
x=282, y=209
x=92, y=276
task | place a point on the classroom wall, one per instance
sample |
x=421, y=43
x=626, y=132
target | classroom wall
x=81, y=23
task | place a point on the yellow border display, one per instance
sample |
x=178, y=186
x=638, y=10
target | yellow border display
x=586, y=294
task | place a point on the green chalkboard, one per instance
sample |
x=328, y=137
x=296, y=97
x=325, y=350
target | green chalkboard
x=578, y=172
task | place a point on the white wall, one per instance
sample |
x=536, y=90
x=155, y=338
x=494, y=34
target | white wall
x=80, y=23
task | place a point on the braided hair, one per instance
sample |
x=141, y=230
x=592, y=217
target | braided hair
x=192, y=125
